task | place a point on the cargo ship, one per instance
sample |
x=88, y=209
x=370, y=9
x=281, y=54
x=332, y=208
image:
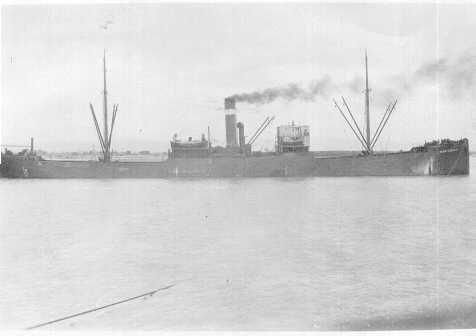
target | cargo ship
x=292, y=156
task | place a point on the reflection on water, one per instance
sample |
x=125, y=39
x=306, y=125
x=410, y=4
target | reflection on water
x=246, y=254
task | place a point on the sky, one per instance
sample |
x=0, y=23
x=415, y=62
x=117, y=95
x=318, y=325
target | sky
x=170, y=66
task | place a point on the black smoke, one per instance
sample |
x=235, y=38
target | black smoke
x=292, y=91
x=457, y=76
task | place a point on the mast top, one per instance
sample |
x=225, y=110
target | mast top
x=366, y=73
x=367, y=112
x=104, y=69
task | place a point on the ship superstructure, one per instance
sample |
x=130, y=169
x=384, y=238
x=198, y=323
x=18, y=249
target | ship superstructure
x=292, y=138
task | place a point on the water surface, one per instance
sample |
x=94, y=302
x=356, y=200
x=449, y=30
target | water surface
x=246, y=254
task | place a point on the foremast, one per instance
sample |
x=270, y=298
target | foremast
x=367, y=112
x=106, y=136
x=107, y=153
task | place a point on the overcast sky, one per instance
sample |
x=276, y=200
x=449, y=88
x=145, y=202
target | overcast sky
x=171, y=66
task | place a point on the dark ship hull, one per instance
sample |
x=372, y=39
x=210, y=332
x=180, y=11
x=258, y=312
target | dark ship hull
x=431, y=161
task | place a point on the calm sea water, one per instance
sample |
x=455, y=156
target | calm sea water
x=245, y=254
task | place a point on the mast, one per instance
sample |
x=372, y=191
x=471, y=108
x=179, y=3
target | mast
x=366, y=141
x=367, y=112
x=209, y=144
x=106, y=137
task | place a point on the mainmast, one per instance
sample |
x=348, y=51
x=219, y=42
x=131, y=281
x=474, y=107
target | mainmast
x=367, y=112
x=366, y=141
x=107, y=156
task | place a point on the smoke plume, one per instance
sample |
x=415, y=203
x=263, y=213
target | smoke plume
x=289, y=92
x=457, y=76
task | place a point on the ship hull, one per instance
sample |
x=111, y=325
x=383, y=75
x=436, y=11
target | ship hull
x=441, y=162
